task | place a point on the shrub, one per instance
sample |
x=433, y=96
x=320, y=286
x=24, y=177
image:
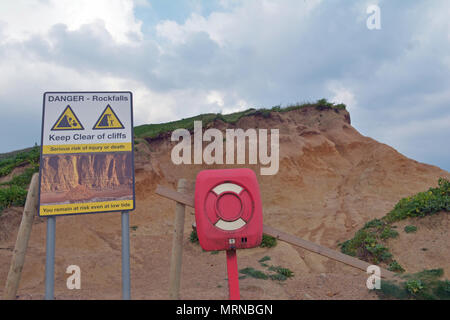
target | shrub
x=365, y=245
x=254, y=273
x=414, y=286
x=264, y=259
x=420, y=285
x=12, y=196
x=409, y=229
x=277, y=277
x=388, y=233
x=423, y=203
x=282, y=271
x=430, y=274
x=193, y=237
x=395, y=267
x=24, y=179
x=442, y=290
x=268, y=241
x=278, y=273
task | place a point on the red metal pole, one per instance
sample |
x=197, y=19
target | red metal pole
x=233, y=276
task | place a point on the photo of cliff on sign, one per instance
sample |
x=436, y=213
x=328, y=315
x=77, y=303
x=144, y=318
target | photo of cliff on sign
x=79, y=178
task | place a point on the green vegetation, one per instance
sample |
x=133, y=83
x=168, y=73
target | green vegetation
x=424, y=285
x=268, y=241
x=368, y=242
x=155, y=130
x=277, y=273
x=134, y=228
x=264, y=259
x=22, y=158
x=422, y=204
x=410, y=229
x=193, y=236
x=251, y=272
x=14, y=191
x=388, y=232
x=12, y=196
x=396, y=267
x=281, y=273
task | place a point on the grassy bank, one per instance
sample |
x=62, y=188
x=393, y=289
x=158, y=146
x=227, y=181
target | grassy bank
x=14, y=191
x=369, y=244
x=155, y=130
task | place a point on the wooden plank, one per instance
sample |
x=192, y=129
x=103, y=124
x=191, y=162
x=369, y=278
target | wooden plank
x=23, y=236
x=324, y=251
x=184, y=198
x=188, y=199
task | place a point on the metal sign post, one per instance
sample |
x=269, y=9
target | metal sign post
x=126, y=290
x=50, y=259
x=233, y=275
x=94, y=129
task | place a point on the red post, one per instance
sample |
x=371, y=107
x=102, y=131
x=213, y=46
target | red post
x=233, y=276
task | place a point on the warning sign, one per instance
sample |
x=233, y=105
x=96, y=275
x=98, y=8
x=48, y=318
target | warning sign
x=85, y=166
x=108, y=120
x=68, y=121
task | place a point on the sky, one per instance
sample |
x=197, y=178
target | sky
x=182, y=58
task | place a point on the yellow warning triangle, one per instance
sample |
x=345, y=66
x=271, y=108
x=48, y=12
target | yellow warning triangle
x=68, y=121
x=108, y=120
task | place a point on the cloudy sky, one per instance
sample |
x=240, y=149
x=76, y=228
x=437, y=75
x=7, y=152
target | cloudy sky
x=182, y=58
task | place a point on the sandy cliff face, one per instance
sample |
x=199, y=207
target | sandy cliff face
x=91, y=171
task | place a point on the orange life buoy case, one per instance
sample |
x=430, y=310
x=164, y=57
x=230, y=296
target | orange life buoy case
x=228, y=209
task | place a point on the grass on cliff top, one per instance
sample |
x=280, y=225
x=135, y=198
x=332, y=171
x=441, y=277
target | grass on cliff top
x=154, y=130
x=12, y=160
x=14, y=191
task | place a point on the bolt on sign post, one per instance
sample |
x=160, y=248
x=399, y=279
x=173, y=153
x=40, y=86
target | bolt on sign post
x=228, y=215
x=87, y=164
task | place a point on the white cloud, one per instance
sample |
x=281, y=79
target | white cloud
x=251, y=21
x=342, y=95
x=25, y=18
x=215, y=97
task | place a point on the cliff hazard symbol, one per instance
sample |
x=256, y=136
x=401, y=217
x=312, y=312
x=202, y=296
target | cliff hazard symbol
x=108, y=120
x=68, y=121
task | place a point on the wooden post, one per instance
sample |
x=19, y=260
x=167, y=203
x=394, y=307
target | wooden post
x=177, y=245
x=18, y=258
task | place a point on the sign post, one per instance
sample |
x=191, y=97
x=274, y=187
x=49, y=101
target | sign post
x=126, y=283
x=50, y=259
x=87, y=165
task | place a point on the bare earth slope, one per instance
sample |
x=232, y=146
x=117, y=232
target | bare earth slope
x=331, y=181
